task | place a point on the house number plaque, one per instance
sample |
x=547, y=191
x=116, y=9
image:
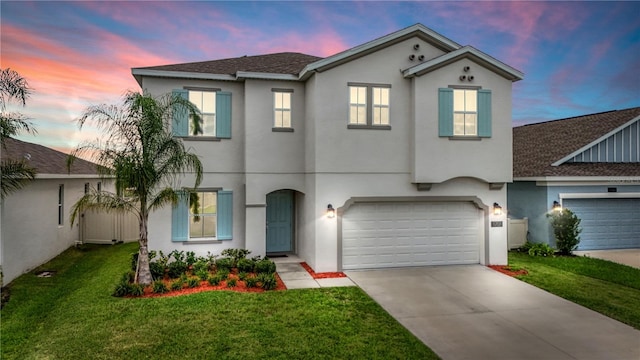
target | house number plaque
x=496, y=224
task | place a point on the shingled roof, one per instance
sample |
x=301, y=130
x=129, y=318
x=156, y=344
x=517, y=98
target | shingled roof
x=537, y=146
x=45, y=160
x=280, y=63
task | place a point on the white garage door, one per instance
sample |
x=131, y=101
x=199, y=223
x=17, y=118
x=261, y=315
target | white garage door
x=377, y=235
x=607, y=223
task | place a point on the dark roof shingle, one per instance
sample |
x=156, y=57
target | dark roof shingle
x=279, y=63
x=45, y=160
x=537, y=146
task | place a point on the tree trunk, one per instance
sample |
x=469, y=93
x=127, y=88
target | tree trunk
x=144, y=273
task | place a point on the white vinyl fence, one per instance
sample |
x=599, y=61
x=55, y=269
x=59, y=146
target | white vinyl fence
x=103, y=228
x=517, y=230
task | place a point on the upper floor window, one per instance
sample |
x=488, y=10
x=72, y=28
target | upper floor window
x=281, y=108
x=464, y=112
x=369, y=106
x=215, y=114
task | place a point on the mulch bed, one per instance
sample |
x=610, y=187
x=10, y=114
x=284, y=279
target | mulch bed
x=507, y=270
x=323, y=275
x=205, y=286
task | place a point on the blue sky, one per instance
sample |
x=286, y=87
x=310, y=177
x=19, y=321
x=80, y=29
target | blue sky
x=578, y=57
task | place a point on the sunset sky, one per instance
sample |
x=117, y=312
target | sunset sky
x=578, y=57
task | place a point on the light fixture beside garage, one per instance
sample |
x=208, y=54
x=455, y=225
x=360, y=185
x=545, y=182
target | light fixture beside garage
x=497, y=209
x=556, y=206
x=331, y=212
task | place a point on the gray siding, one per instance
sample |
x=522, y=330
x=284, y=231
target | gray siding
x=621, y=147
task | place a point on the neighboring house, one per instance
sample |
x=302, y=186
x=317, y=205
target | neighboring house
x=407, y=137
x=35, y=220
x=589, y=164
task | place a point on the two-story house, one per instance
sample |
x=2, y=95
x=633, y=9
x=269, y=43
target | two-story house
x=392, y=153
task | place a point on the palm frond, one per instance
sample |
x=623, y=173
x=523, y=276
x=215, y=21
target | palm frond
x=13, y=87
x=16, y=174
x=105, y=201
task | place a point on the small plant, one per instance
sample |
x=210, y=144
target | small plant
x=191, y=258
x=177, y=285
x=268, y=281
x=265, y=266
x=202, y=274
x=122, y=289
x=200, y=265
x=224, y=264
x=214, y=280
x=251, y=282
x=232, y=282
x=193, y=282
x=137, y=290
x=159, y=287
x=541, y=250
x=246, y=265
x=235, y=254
x=177, y=268
x=243, y=276
x=157, y=270
x=566, y=229
x=223, y=274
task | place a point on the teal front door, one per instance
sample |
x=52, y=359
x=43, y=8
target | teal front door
x=280, y=221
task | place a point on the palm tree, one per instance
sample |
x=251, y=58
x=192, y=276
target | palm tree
x=13, y=88
x=139, y=150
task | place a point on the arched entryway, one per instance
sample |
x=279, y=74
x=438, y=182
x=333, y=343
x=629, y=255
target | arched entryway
x=280, y=222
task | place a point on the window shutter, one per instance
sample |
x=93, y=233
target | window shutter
x=225, y=215
x=180, y=124
x=223, y=115
x=445, y=112
x=484, y=113
x=180, y=218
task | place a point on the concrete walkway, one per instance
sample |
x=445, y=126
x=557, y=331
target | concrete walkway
x=294, y=276
x=629, y=257
x=473, y=312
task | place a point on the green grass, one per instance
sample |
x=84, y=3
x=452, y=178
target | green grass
x=606, y=287
x=73, y=316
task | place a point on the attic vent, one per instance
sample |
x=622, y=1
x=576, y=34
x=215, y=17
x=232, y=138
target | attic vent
x=416, y=46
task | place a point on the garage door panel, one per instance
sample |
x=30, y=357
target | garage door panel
x=607, y=223
x=410, y=234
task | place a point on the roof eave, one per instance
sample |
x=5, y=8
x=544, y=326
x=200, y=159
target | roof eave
x=265, y=76
x=419, y=30
x=470, y=52
x=139, y=73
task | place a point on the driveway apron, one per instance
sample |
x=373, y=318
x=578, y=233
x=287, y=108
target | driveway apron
x=473, y=312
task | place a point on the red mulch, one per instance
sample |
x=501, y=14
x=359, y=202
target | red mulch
x=324, y=275
x=205, y=286
x=506, y=269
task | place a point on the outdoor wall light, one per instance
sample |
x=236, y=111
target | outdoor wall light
x=556, y=206
x=331, y=212
x=497, y=209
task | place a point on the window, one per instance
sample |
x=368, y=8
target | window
x=213, y=219
x=86, y=188
x=202, y=222
x=464, y=113
x=369, y=106
x=215, y=114
x=205, y=101
x=281, y=108
x=61, y=204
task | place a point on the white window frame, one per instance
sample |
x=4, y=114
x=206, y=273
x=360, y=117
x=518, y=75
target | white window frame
x=279, y=110
x=375, y=107
x=200, y=104
x=60, y=204
x=469, y=112
x=202, y=215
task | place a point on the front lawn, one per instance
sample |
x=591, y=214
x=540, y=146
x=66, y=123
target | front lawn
x=606, y=287
x=72, y=315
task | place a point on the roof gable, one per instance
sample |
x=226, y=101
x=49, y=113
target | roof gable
x=45, y=160
x=543, y=149
x=468, y=52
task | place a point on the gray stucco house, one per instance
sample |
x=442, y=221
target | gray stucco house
x=393, y=153
x=589, y=164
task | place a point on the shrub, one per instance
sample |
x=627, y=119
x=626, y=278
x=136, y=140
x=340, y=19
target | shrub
x=191, y=258
x=541, y=250
x=158, y=287
x=193, y=282
x=246, y=265
x=137, y=290
x=177, y=268
x=177, y=284
x=251, y=282
x=214, y=280
x=243, y=276
x=223, y=274
x=200, y=265
x=235, y=254
x=232, y=282
x=202, y=274
x=122, y=289
x=224, y=264
x=265, y=266
x=268, y=281
x=157, y=270
x=566, y=230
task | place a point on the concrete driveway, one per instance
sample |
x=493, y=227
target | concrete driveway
x=473, y=312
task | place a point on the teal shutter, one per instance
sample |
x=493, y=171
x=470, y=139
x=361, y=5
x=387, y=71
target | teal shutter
x=223, y=115
x=180, y=124
x=445, y=112
x=180, y=219
x=225, y=215
x=484, y=113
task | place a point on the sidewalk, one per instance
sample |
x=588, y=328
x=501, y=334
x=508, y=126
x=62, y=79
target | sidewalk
x=294, y=276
